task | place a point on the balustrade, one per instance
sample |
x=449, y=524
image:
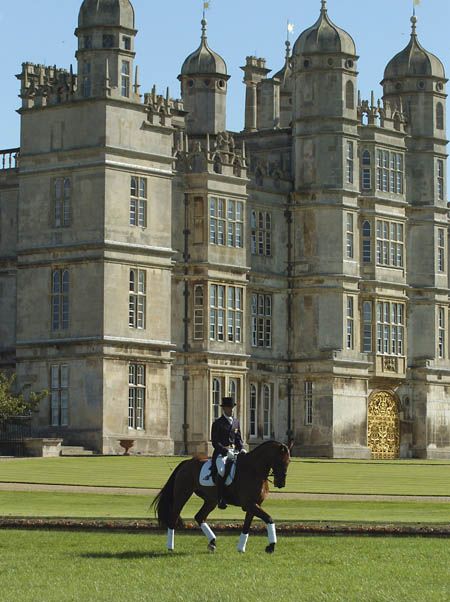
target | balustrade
x=9, y=158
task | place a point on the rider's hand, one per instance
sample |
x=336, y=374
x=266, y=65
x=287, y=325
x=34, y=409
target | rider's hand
x=230, y=454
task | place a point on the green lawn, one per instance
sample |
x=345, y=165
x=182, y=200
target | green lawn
x=45, y=566
x=315, y=476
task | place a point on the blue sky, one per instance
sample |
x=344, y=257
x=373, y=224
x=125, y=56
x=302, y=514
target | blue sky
x=42, y=32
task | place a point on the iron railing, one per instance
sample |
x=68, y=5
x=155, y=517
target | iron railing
x=13, y=433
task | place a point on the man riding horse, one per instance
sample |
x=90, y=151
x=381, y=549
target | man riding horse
x=227, y=440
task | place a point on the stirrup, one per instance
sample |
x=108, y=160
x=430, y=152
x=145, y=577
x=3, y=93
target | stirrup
x=222, y=505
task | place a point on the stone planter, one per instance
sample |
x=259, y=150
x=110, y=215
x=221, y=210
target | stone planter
x=43, y=448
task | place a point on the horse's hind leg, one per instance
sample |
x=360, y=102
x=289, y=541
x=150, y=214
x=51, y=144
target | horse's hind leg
x=201, y=516
x=181, y=498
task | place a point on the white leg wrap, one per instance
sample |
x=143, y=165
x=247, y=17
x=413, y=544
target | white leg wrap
x=242, y=542
x=207, y=531
x=271, y=533
x=170, y=539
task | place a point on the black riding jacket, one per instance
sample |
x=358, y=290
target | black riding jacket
x=225, y=434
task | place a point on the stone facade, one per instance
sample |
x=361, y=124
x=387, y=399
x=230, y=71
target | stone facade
x=152, y=262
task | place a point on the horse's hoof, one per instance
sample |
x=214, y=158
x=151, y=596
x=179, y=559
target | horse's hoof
x=212, y=546
x=270, y=549
x=170, y=549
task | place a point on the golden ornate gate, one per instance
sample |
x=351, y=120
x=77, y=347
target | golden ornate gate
x=383, y=436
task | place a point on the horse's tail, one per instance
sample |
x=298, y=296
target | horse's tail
x=163, y=502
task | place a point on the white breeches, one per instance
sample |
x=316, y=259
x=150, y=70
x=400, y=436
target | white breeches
x=221, y=463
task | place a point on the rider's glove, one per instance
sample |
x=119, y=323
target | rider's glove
x=230, y=454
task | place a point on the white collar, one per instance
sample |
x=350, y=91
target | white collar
x=229, y=418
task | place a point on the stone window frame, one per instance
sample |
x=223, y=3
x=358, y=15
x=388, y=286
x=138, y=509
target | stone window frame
x=86, y=88
x=391, y=327
x=125, y=81
x=350, y=323
x=308, y=397
x=137, y=394
x=261, y=233
x=350, y=161
x=226, y=222
x=221, y=384
x=62, y=202
x=366, y=171
x=60, y=299
x=226, y=313
x=138, y=201
x=440, y=116
x=390, y=166
x=441, y=250
x=442, y=328
x=440, y=170
x=137, y=299
x=350, y=235
x=390, y=243
x=261, y=319
x=253, y=412
x=366, y=238
x=59, y=395
x=367, y=325
x=267, y=410
x=199, y=312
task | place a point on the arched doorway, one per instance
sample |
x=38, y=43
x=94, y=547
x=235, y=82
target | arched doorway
x=383, y=426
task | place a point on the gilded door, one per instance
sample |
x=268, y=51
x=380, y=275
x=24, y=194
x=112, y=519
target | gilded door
x=383, y=436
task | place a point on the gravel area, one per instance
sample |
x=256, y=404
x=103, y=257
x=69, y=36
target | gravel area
x=274, y=494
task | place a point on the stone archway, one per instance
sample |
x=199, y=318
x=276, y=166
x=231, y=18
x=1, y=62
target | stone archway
x=383, y=426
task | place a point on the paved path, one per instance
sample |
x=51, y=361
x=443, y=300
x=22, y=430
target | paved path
x=273, y=494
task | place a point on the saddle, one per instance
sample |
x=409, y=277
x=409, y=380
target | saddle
x=208, y=474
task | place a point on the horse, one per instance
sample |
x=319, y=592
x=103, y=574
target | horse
x=248, y=490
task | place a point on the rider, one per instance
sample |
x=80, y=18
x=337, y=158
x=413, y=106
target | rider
x=226, y=439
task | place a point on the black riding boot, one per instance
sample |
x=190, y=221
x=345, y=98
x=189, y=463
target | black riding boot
x=221, y=493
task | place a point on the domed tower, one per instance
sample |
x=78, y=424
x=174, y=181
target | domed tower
x=204, y=89
x=415, y=81
x=105, y=55
x=324, y=105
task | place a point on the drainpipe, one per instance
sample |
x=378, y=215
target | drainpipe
x=288, y=216
x=186, y=258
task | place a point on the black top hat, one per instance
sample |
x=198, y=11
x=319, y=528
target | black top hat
x=228, y=402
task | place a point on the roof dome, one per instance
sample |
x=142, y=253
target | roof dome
x=204, y=61
x=112, y=13
x=414, y=61
x=324, y=37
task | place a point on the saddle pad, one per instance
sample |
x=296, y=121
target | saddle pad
x=206, y=480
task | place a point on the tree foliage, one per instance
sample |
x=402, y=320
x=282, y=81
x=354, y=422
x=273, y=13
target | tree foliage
x=15, y=403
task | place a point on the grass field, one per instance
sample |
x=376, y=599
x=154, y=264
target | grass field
x=65, y=567
x=309, y=476
x=76, y=505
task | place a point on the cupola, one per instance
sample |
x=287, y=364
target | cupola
x=324, y=37
x=204, y=61
x=414, y=61
x=106, y=13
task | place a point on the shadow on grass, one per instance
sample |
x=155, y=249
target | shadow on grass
x=129, y=555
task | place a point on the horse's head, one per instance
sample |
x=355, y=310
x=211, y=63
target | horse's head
x=280, y=465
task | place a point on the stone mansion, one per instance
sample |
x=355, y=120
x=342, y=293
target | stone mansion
x=152, y=262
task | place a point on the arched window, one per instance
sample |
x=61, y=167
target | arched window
x=439, y=116
x=349, y=95
x=367, y=243
x=267, y=412
x=253, y=412
x=216, y=395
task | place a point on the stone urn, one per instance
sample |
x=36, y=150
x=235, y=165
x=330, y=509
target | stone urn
x=127, y=444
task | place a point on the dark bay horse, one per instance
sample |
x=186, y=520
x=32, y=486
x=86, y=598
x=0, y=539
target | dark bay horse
x=248, y=490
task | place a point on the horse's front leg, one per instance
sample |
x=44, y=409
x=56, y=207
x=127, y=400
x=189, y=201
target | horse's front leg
x=243, y=538
x=271, y=531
